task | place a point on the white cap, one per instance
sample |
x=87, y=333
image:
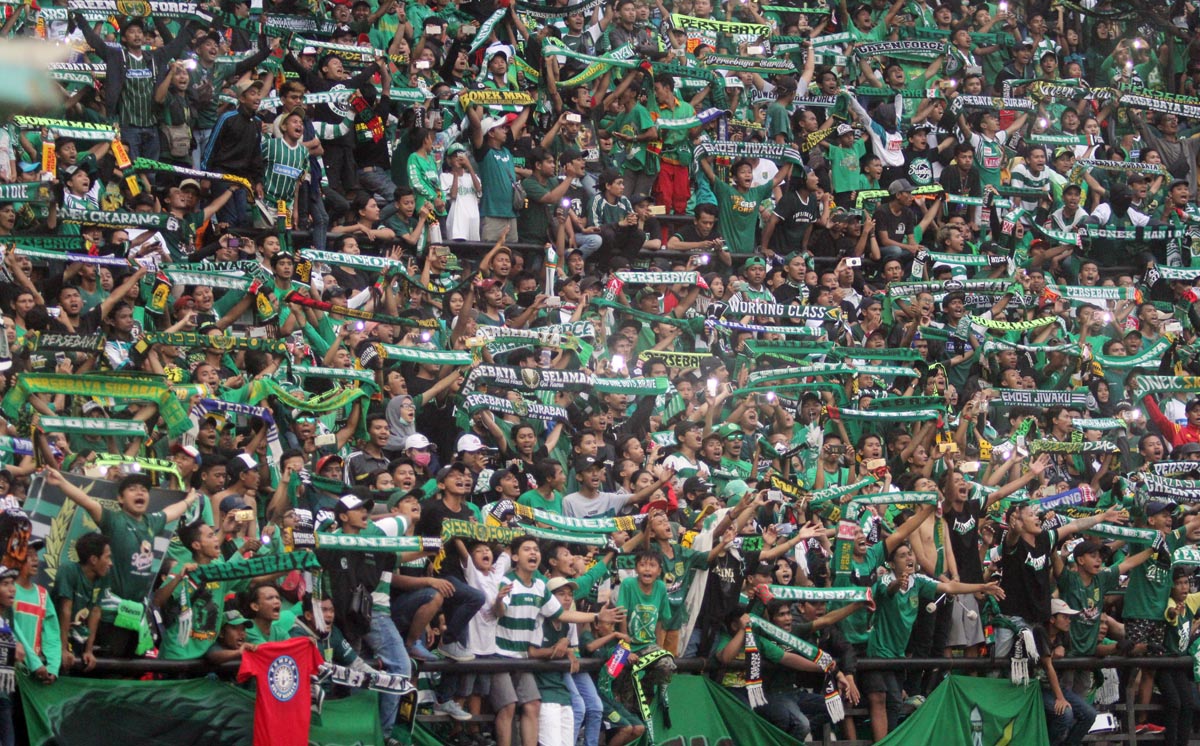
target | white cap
x=247, y=460
x=498, y=48
x=1059, y=606
x=353, y=502
x=308, y=50
x=470, y=443
x=416, y=440
x=490, y=123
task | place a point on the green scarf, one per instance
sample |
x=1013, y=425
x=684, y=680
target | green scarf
x=223, y=343
x=63, y=128
x=676, y=359
x=1058, y=446
x=425, y=356
x=331, y=401
x=452, y=528
x=145, y=164
x=1149, y=359
x=102, y=426
x=143, y=388
x=499, y=405
x=253, y=567
x=819, y=595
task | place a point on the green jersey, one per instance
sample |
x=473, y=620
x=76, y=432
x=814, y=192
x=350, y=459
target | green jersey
x=534, y=499
x=989, y=157
x=136, y=106
x=677, y=575
x=197, y=611
x=281, y=628
x=424, y=179
x=844, y=163
x=1089, y=601
x=132, y=541
x=895, y=614
x=645, y=610
x=676, y=145
x=637, y=156
x=551, y=685
x=73, y=585
x=285, y=167
x=533, y=224
x=738, y=214
x=856, y=626
x=1150, y=582
x=779, y=122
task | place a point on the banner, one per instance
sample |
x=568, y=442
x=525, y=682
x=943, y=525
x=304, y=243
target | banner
x=160, y=221
x=489, y=97
x=967, y=711
x=1032, y=398
x=195, y=712
x=736, y=149
x=59, y=522
x=913, y=47
x=33, y=191
x=1160, y=101
x=140, y=9
x=64, y=128
x=721, y=27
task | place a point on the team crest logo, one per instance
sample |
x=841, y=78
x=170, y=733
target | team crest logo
x=531, y=377
x=138, y=8
x=283, y=678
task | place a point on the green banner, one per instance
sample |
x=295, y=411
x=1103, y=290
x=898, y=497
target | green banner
x=195, y=712
x=963, y=711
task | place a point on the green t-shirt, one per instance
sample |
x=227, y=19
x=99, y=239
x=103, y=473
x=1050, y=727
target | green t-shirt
x=644, y=610
x=856, y=626
x=132, y=541
x=551, y=685
x=1150, y=582
x=207, y=607
x=895, y=615
x=779, y=123
x=281, y=628
x=533, y=224
x=738, y=214
x=676, y=145
x=677, y=575
x=84, y=595
x=637, y=156
x=534, y=499
x=1089, y=601
x=844, y=163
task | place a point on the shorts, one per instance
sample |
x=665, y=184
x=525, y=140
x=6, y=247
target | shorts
x=964, y=631
x=883, y=681
x=1145, y=631
x=616, y=716
x=513, y=688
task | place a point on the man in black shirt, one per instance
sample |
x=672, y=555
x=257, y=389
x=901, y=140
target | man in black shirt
x=702, y=234
x=454, y=487
x=792, y=221
x=895, y=221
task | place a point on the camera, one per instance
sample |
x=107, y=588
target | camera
x=243, y=516
x=854, y=261
x=235, y=242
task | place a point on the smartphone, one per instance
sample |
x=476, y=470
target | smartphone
x=243, y=516
x=658, y=209
x=854, y=261
x=544, y=359
x=470, y=29
x=838, y=450
x=435, y=30
x=235, y=242
x=618, y=362
x=553, y=301
x=947, y=447
x=712, y=386
x=574, y=118
x=359, y=326
x=424, y=64
x=774, y=496
x=704, y=259
x=755, y=49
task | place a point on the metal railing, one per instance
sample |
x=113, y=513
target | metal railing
x=1126, y=713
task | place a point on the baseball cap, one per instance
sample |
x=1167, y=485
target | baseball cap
x=232, y=503
x=246, y=85
x=1059, y=606
x=556, y=583
x=1154, y=507
x=91, y=405
x=496, y=49
x=899, y=186
x=469, y=443
x=8, y=572
x=456, y=466
x=734, y=490
x=418, y=441
x=327, y=460
x=491, y=123
x=189, y=183
x=1186, y=450
x=1026, y=42
x=350, y=502
x=762, y=568
x=189, y=450
x=754, y=261
x=398, y=495
x=1087, y=546
x=697, y=484
x=308, y=50
x=844, y=129
x=234, y=618
x=583, y=463
x=639, y=199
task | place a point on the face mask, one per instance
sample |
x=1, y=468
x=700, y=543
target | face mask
x=422, y=458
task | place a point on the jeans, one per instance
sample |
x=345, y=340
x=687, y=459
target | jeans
x=459, y=609
x=141, y=141
x=795, y=712
x=1179, y=702
x=320, y=218
x=201, y=137
x=235, y=212
x=405, y=605
x=1069, y=728
x=387, y=644
x=8, y=734
x=587, y=706
x=378, y=182
x=588, y=243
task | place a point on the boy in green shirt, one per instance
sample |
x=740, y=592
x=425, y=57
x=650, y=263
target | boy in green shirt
x=548, y=495
x=132, y=532
x=78, y=588
x=556, y=720
x=738, y=205
x=644, y=598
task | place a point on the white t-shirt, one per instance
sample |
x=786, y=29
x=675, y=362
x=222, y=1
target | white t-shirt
x=603, y=505
x=481, y=630
x=462, y=218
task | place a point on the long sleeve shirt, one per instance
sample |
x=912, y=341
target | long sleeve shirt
x=1174, y=432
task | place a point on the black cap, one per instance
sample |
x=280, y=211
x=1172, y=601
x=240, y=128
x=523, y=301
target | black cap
x=583, y=463
x=640, y=198
x=1087, y=546
x=762, y=568
x=697, y=485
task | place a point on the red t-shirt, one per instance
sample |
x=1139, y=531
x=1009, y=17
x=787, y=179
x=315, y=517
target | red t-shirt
x=283, y=707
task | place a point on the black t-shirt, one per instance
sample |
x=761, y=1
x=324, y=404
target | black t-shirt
x=918, y=165
x=726, y=575
x=795, y=215
x=1026, y=581
x=964, y=540
x=433, y=513
x=897, y=227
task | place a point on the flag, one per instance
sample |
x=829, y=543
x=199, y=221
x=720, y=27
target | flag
x=966, y=711
x=195, y=712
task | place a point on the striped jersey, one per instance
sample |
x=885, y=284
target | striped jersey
x=525, y=608
x=136, y=107
x=285, y=165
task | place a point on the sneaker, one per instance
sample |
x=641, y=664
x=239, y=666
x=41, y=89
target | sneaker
x=453, y=709
x=915, y=701
x=1149, y=728
x=456, y=651
x=418, y=651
